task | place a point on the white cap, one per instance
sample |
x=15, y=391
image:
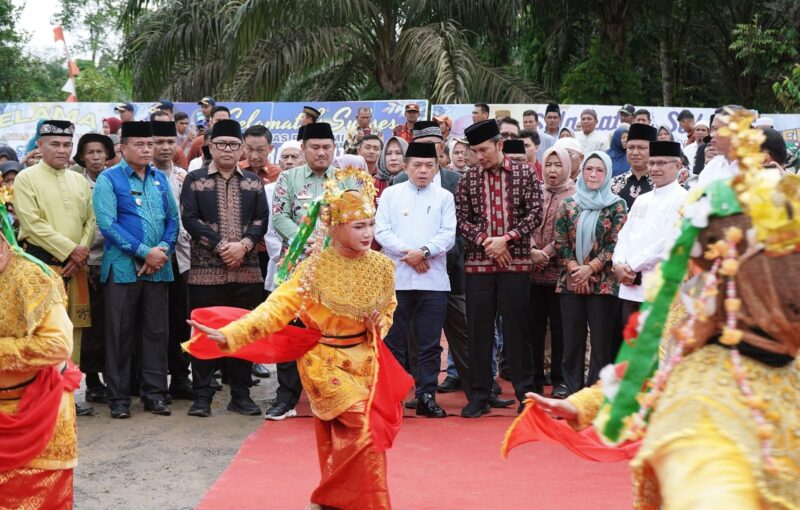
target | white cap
x=569, y=143
x=291, y=144
x=701, y=123
x=764, y=122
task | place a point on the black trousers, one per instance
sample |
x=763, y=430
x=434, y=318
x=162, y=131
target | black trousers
x=507, y=294
x=240, y=295
x=578, y=310
x=545, y=309
x=136, y=320
x=93, y=339
x=289, y=385
x=428, y=309
x=455, y=330
x=178, y=329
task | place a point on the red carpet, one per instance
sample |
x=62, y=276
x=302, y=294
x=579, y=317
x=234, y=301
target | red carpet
x=450, y=463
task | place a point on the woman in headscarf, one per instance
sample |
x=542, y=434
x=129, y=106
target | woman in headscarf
x=458, y=155
x=111, y=126
x=557, y=187
x=586, y=229
x=566, y=133
x=664, y=134
x=390, y=163
x=618, y=151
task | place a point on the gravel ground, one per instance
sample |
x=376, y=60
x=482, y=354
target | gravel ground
x=159, y=462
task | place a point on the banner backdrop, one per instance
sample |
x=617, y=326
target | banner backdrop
x=18, y=120
x=607, y=117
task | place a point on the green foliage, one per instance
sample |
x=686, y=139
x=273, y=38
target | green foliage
x=100, y=84
x=788, y=90
x=96, y=18
x=603, y=78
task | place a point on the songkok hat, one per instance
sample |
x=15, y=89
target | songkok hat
x=311, y=112
x=552, y=107
x=226, y=127
x=669, y=149
x=141, y=129
x=514, y=147
x=569, y=143
x=164, y=128
x=421, y=150
x=93, y=137
x=425, y=128
x=300, y=132
x=481, y=131
x=57, y=128
x=317, y=130
x=642, y=132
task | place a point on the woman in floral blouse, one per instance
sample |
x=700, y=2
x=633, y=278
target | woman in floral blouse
x=586, y=228
x=546, y=269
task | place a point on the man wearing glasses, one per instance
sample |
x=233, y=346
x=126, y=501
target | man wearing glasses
x=509, y=128
x=224, y=209
x=649, y=232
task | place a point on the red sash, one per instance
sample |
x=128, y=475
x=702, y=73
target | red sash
x=389, y=387
x=25, y=433
x=535, y=425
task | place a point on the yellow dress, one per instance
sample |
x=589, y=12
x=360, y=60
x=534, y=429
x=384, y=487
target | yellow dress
x=332, y=293
x=702, y=449
x=36, y=333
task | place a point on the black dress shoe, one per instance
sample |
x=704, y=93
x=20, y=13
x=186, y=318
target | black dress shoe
x=449, y=385
x=498, y=403
x=496, y=388
x=200, y=407
x=560, y=391
x=120, y=412
x=215, y=385
x=521, y=408
x=97, y=395
x=83, y=409
x=260, y=370
x=244, y=405
x=427, y=406
x=181, y=389
x=158, y=407
x=475, y=409
x=411, y=404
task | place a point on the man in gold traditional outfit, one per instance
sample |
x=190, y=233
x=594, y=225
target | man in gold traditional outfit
x=346, y=293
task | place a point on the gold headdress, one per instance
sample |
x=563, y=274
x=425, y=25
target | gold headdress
x=342, y=203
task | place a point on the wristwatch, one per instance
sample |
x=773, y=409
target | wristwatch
x=426, y=253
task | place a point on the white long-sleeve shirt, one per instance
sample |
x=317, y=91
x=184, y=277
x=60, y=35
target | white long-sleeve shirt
x=716, y=169
x=273, y=242
x=409, y=218
x=648, y=234
x=594, y=141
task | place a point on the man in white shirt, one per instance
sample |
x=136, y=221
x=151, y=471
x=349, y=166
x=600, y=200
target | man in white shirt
x=651, y=227
x=719, y=164
x=591, y=139
x=416, y=225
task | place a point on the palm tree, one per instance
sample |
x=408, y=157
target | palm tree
x=324, y=49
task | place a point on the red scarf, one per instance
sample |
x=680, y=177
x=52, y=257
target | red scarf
x=25, y=433
x=389, y=386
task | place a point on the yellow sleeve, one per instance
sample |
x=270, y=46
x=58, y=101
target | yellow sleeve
x=49, y=345
x=704, y=472
x=588, y=401
x=39, y=232
x=90, y=224
x=270, y=316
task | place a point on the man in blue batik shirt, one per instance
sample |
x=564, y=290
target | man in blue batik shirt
x=138, y=216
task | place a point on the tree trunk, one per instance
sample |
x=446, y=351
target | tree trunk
x=667, y=78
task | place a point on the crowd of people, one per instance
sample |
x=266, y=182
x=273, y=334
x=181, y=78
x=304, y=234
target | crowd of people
x=528, y=248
